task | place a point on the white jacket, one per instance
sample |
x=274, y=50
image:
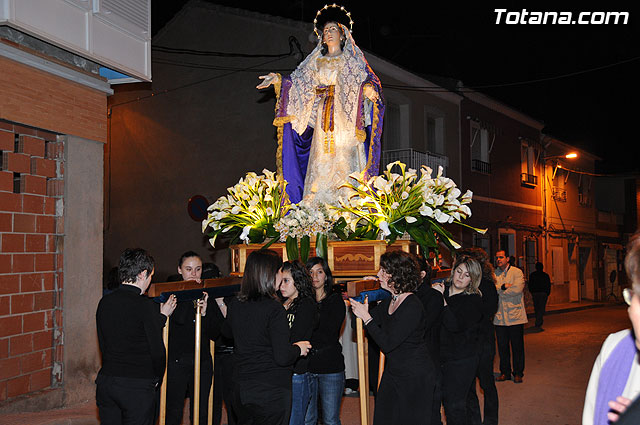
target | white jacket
x=511, y=310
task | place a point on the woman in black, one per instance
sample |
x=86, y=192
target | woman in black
x=398, y=325
x=302, y=314
x=326, y=362
x=263, y=354
x=459, y=337
x=130, y=336
x=180, y=364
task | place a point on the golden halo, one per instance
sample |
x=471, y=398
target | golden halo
x=327, y=6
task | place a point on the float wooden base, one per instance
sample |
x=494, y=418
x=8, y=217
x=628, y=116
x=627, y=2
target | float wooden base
x=346, y=259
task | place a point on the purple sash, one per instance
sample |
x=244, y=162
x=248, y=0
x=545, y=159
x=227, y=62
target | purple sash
x=613, y=377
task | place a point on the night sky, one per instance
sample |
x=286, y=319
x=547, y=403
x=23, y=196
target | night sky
x=580, y=80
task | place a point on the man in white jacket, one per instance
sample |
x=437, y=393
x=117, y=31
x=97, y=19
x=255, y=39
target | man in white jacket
x=510, y=319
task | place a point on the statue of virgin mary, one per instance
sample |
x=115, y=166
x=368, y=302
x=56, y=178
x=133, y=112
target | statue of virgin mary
x=329, y=114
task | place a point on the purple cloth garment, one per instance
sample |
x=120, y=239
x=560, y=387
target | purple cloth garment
x=613, y=377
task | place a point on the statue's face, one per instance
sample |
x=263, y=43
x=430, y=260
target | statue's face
x=331, y=35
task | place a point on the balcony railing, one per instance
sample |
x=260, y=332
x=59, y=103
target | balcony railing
x=480, y=166
x=559, y=194
x=529, y=180
x=415, y=159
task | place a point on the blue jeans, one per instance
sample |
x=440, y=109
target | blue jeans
x=300, y=396
x=329, y=386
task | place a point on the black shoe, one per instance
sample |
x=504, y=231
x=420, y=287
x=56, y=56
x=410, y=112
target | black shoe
x=503, y=377
x=517, y=379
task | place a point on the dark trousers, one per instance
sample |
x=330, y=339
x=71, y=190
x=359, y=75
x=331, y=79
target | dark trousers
x=511, y=342
x=180, y=385
x=223, y=388
x=436, y=417
x=257, y=403
x=488, y=385
x=126, y=401
x=457, y=378
x=540, y=305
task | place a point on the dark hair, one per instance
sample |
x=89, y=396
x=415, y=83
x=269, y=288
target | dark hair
x=301, y=278
x=539, y=266
x=325, y=49
x=259, y=275
x=210, y=271
x=186, y=255
x=632, y=259
x=132, y=263
x=328, y=284
x=424, y=267
x=404, y=271
x=481, y=256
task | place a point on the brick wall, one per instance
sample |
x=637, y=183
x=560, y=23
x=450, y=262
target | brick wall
x=31, y=249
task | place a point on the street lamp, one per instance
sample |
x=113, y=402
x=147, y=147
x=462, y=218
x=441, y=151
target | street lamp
x=570, y=155
x=545, y=209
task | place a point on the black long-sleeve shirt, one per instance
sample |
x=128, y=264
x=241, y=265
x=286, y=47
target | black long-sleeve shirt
x=182, y=328
x=539, y=281
x=326, y=355
x=130, y=334
x=400, y=335
x=461, y=321
x=433, y=304
x=303, y=318
x=261, y=336
x=489, y=308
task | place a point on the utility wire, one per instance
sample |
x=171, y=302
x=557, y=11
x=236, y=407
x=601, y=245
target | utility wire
x=293, y=44
x=516, y=83
x=217, y=67
x=166, y=91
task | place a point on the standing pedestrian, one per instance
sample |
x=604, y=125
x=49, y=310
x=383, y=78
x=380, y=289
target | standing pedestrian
x=540, y=288
x=510, y=319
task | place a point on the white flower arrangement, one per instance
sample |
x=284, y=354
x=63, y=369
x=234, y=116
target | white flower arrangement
x=304, y=220
x=250, y=210
x=388, y=205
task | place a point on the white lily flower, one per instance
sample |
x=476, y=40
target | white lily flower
x=465, y=210
x=269, y=211
x=410, y=219
x=394, y=206
x=244, y=236
x=453, y=194
x=384, y=226
x=235, y=210
x=205, y=224
x=440, y=216
x=426, y=172
x=391, y=164
x=425, y=210
x=404, y=195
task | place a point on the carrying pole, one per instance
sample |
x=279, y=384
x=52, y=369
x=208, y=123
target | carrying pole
x=196, y=369
x=362, y=373
x=163, y=388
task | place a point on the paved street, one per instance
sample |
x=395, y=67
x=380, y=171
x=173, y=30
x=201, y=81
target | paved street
x=558, y=364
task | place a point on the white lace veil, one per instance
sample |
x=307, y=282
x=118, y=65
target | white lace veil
x=347, y=90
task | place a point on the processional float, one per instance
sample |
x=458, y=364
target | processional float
x=191, y=291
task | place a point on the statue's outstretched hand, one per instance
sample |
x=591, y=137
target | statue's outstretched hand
x=371, y=93
x=267, y=80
